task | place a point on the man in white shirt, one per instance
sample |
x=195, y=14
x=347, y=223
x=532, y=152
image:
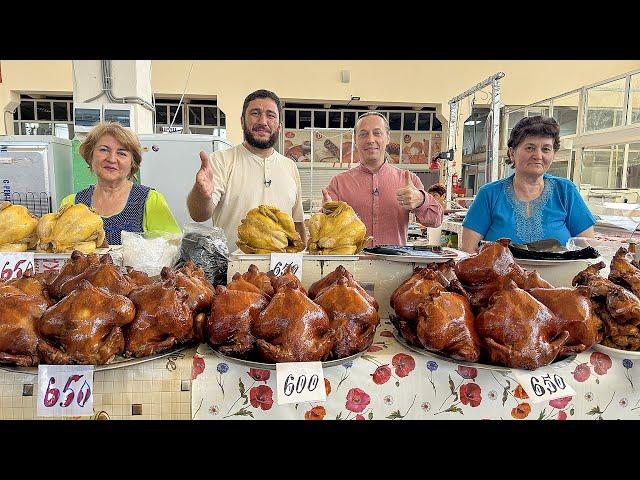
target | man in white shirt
x=232, y=182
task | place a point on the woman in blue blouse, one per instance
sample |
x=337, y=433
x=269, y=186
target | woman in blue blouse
x=529, y=205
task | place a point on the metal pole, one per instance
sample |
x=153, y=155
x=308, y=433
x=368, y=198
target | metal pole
x=495, y=129
x=453, y=121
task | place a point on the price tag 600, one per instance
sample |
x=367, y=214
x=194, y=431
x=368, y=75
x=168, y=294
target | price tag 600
x=300, y=382
x=14, y=265
x=65, y=390
x=280, y=262
x=542, y=386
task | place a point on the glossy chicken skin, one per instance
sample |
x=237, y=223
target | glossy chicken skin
x=623, y=272
x=162, y=319
x=406, y=298
x=352, y=317
x=518, y=331
x=33, y=285
x=259, y=279
x=288, y=278
x=77, y=264
x=85, y=327
x=199, y=290
x=340, y=272
x=233, y=314
x=611, y=300
x=573, y=308
x=484, y=274
x=446, y=323
x=293, y=329
x=136, y=277
x=239, y=283
x=103, y=274
x=19, y=316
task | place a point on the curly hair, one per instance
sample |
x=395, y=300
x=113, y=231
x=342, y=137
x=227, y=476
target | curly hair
x=438, y=188
x=537, y=126
x=127, y=138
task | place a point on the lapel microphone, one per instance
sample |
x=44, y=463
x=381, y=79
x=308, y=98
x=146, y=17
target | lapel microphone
x=267, y=183
x=375, y=191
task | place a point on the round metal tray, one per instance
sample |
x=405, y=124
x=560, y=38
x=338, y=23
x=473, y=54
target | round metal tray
x=117, y=362
x=272, y=366
x=436, y=354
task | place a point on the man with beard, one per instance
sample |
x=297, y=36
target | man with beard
x=232, y=182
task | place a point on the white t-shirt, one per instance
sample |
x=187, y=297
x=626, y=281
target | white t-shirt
x=239, y=178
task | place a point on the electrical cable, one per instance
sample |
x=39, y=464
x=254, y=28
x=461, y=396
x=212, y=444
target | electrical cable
x=182, y=97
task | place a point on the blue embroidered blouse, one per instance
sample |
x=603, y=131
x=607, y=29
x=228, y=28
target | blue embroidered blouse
x=559, y=212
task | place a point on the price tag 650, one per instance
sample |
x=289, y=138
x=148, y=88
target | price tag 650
x=280, y=262
x=14, y=265
x=300, y=382
x=65, y=390
x=542, y=386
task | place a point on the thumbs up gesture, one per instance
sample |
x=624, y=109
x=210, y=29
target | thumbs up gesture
x=325, y=196
x=409, y=197
x=204, y=177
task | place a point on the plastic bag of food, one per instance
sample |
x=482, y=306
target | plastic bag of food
x=150, y=251
x=206, y=246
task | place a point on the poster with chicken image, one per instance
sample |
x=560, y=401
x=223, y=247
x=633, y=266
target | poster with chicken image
x=415, y=148
x=332, y=146
x=393, y=149
x=436, y=143
x=297, y=145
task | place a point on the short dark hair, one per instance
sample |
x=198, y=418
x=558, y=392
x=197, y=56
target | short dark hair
x=262, y=94
x=537, y=126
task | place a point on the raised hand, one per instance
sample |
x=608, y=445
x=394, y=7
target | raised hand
x=204, y=177
x=409, y=197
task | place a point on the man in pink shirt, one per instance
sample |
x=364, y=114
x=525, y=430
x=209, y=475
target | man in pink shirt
x=382, y=195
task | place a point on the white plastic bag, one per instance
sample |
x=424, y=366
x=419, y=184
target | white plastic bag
x=149, y=252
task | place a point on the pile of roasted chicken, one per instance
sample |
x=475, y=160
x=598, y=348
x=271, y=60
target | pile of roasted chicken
x=487, y=308
x=90, y=311
x=259, y=316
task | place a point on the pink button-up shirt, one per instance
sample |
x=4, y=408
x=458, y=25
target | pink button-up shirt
x=373, y=197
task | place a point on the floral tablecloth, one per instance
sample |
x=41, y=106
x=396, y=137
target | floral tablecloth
x=391, y=382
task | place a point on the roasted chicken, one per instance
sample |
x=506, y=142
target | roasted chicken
x=288, y=278
x=259, y=279
x=336, y=230
x=17, y=228
x=325, y=282
x=85, y=327
x=623, y=272
x=74, y=227
x=267, y=229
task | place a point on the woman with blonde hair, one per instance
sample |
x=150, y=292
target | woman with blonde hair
x=114, y=154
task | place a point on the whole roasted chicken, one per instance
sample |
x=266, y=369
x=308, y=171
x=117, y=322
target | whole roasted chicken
x=293, y=329
x=267, y=229
x=17, y=228
x=85, y=327
x=325, y=282
x=352, y=316
x=518, y=331
x=446, y=323
x=336, y=230
x=623, y=272
x=259, y=279
x=74, y=227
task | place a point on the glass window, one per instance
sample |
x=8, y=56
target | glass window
x=334, y=120
x=409, y=121
x=395, y=120
x=539, y=109
x=290, y=119
x=161, y=115
x=602, y=166
x=60, y=111
x=36, y=128
x=172, y=112
x=634, y=98
x=560, y=165
x=44, y=110
x=349, y=119
x=27, y=111
x=71, y=111
x=604, y=106
x=16, y=114
x=565, y=111
x=195, y=115
x=304, y=117
x=437, y=126
x=210, y=115
x=633, y=166
x=223, y=120
x=424, y=122
x=62, y=130
x=320, y=119
x=16, y=128
x=512, y=120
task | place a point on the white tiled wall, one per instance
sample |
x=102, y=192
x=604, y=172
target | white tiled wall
x=155, y=385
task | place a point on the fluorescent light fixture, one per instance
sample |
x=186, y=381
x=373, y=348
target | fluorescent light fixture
x=471, y=123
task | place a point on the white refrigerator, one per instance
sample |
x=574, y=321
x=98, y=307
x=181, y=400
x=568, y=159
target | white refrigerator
x=170, y=163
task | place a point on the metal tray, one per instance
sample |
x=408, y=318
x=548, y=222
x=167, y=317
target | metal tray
x=240, y=255
x=118, y=362
x=272, y=366
x=435, y=354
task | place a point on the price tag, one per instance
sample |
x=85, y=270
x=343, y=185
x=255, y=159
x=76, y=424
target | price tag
x=65, y=390
x=280, y=262
x=14, y=265
x=300, y=382
x=542, y=386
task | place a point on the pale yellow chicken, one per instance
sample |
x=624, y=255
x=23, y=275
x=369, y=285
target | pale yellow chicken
x=336, y=230
x=74, y=227
x=266, y=229
x=17, y=228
